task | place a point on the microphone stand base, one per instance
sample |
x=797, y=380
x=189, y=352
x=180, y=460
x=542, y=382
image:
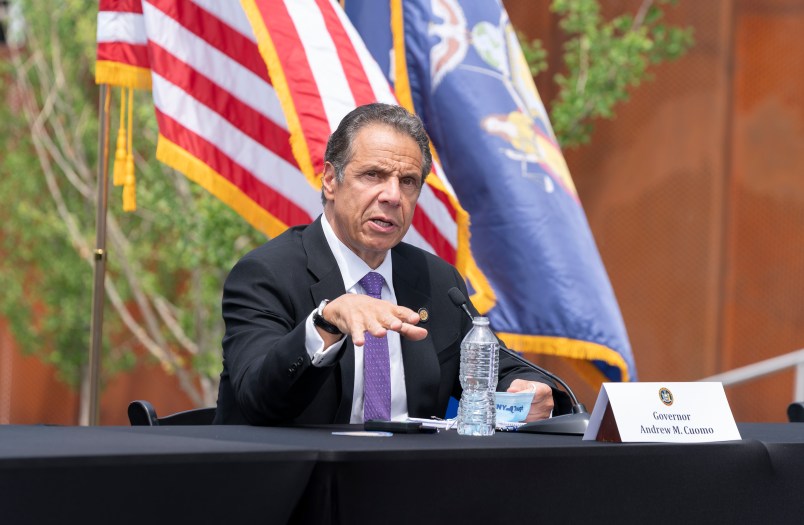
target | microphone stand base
x=572, y=424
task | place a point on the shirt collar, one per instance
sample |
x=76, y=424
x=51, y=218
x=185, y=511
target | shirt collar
x=352, y=267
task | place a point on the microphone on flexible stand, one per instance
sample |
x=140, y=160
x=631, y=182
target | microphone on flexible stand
x=574, y=423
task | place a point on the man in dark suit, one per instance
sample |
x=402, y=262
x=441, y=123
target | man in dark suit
x=322, y=326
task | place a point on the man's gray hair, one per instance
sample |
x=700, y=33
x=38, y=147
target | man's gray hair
x=339, y=146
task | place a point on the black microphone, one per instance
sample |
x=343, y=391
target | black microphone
x=574, y=423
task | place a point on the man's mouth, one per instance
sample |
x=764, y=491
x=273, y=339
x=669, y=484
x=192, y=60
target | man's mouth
x=382, y=223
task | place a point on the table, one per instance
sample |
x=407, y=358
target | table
x=240, y=474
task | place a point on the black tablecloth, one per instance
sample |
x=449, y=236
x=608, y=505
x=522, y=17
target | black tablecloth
x=219, y=474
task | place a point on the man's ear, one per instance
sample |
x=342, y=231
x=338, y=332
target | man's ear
x=328, y=181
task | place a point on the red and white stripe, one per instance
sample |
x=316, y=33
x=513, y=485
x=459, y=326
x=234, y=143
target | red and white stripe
x=214, y=98
x=121, y=33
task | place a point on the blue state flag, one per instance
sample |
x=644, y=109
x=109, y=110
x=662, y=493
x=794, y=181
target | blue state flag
x=542, y=283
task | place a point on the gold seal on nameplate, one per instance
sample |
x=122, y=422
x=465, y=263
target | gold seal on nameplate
x=424, y=315
x=666, y=396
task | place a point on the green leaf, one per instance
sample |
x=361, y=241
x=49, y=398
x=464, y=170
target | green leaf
x=603, y=60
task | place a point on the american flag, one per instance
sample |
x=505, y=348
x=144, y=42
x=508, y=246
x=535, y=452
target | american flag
x=221, y=120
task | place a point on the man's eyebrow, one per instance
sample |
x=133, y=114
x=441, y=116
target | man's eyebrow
x=381, y=168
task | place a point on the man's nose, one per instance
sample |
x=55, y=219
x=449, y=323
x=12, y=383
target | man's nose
x=391, y=192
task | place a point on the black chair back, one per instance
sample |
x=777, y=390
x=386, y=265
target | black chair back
x=142, y=413
x=795, y=412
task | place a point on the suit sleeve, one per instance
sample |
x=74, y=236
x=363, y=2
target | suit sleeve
x=270, y=371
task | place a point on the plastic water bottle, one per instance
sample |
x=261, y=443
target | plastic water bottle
x=480, y=355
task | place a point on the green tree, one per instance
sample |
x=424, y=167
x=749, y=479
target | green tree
x=167, y=261
x=604, y=59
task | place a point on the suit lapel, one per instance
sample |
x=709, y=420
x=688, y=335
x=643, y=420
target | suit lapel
x=321, y=263
x=412, y=289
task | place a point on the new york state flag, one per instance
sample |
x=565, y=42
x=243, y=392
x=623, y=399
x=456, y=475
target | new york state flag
x=459, y=65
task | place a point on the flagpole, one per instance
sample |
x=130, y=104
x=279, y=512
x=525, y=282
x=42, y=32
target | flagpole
x=90, y=402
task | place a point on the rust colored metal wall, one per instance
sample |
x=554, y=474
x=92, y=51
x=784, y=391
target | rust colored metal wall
x=695, y=194
x=31, y=392
x=764, y=302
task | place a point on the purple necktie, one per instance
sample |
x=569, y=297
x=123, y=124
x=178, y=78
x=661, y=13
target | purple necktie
x=376, y=363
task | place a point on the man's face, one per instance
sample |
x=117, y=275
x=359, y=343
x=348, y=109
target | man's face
x=371, y=210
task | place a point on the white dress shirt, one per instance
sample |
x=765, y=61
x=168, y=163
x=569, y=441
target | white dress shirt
x=353, y=268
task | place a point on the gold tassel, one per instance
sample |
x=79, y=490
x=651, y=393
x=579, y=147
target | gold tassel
x=129, y=189
x=130, y=180
x=119, y=171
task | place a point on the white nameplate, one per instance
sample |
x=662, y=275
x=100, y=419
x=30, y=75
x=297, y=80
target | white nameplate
x=662, y=412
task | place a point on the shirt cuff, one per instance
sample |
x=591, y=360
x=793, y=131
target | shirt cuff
x=314, y=344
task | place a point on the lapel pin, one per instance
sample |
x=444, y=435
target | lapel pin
x=424, y=315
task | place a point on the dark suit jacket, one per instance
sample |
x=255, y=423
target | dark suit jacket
x=268, y=377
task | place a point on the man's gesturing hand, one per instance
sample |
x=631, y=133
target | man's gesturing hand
x=353, y=314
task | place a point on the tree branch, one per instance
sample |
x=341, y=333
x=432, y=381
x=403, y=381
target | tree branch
x=639, y=19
